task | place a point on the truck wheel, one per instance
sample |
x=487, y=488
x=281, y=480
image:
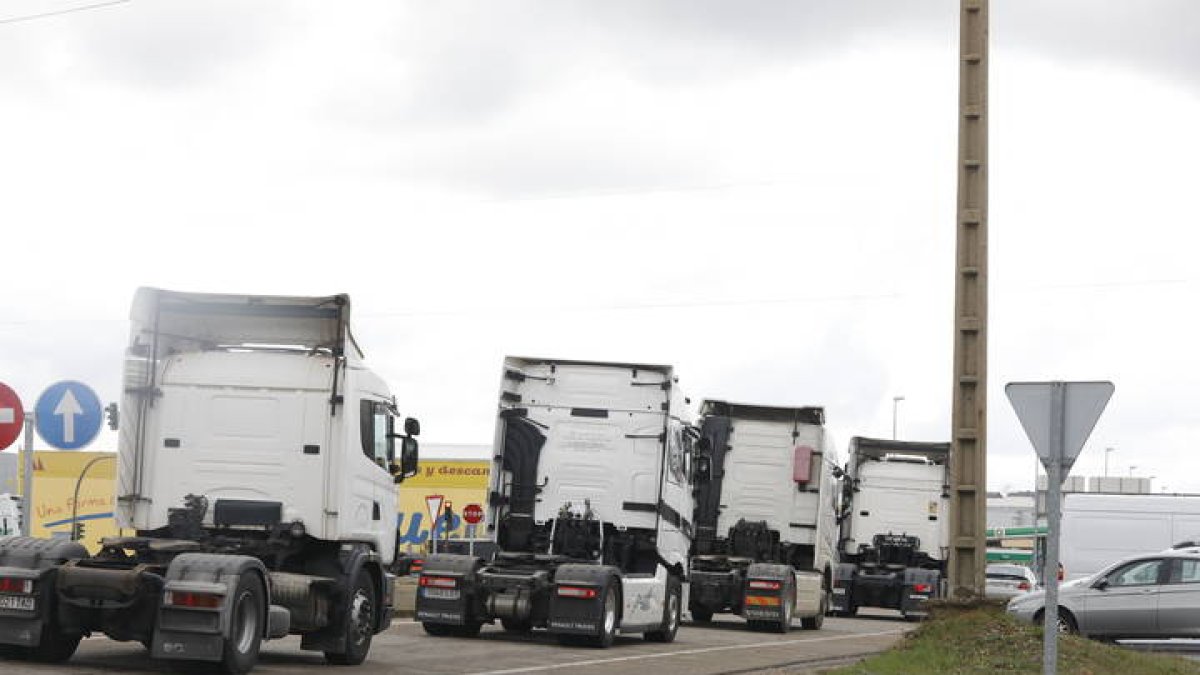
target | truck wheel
x=702, y=614
x=55, y=647
x=671, y=610
x=240, y=652
x=813, y=622
x=788, y=608
x=358, y=621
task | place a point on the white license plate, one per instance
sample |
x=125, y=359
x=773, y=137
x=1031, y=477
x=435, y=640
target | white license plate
x=442, y=593
x=25, y=602
x=839, y=591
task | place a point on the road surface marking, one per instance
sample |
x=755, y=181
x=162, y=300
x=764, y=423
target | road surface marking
x=685, y=652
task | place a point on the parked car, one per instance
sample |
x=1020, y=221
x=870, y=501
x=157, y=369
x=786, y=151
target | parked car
x=1006, y=580
x=1155, y=595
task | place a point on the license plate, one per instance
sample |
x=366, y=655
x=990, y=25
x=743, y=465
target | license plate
x=24, y=602
x=839, y=591
x=442, y=593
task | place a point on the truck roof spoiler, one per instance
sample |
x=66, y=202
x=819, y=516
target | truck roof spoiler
x=801, y=414
x=172, y=322
x=878, y=448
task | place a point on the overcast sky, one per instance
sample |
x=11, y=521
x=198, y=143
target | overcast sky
x=760, y=193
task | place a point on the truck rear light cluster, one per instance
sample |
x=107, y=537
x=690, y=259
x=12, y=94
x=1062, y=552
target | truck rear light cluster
x=763, y=585
x=197, y=600
x=12, y=585
x=581, y=592
x=439, y=582
x=921, y=588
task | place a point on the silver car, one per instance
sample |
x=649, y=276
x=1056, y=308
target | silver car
x=1007, y=580
x=1148, y=596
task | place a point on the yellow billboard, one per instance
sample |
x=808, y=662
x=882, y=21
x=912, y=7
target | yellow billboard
x=55, y=474
x=459, y=482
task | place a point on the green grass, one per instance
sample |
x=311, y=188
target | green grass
x=982, y=639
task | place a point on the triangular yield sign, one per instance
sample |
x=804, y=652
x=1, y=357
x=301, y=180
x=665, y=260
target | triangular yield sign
x=434, y=504
x=1083, y=402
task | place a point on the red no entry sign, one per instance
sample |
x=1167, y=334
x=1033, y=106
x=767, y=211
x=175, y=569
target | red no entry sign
x=473, y=514
x=12, y=416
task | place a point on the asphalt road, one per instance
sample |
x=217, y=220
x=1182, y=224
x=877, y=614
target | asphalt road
x=724, y=646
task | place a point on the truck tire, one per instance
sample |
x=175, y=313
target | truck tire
x=55, y=647
x=358, y=621
x=784, y=624
x=701, y=614
x=815, y=622
x=672, y=608
x=240, y=651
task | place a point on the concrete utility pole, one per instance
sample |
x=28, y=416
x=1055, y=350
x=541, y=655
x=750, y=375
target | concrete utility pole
x=968, y=456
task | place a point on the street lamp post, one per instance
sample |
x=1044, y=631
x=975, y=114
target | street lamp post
x=895, y=403
x=1132, y=467
x=1107, y=451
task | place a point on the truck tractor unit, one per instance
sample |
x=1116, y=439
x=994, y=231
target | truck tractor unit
x=894, y=524
x=766, y=521
x=590, y=506
x=257, y=458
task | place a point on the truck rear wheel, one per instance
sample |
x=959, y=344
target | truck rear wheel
x=671, y=611
x=240, y=652
x=702, y=614
x=358, y=621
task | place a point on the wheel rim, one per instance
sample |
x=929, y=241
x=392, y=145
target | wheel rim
x=610, y=612
x=360, y=616
x=1063, y=626
x=672, y=612
x=245, y=616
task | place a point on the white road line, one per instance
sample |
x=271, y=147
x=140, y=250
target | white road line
x=685, y=652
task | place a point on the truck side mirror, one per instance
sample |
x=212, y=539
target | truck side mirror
x=412, y=427
x=408, y=458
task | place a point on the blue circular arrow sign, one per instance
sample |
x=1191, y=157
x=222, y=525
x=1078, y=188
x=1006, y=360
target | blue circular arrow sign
x=68, y=415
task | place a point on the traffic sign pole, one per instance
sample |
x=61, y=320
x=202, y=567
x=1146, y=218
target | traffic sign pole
x=27, y=478
x=1054, y=479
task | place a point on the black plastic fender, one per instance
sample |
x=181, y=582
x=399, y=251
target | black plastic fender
x=455, y=606
x=197, y=634
x=920, y=586
x=581, y=616
x=784, y=574
x=343, y=568
x=843, y=587
x=37, y=560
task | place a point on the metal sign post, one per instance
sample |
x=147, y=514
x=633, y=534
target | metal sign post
x=27, y=478
x=1058, y=417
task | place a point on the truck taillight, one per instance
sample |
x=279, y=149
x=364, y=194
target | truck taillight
x=763, y=585
x=581, y=592
x=921, y=588
x=439, y=582
x=11, y=585
x=198, y=600
x=417, y=566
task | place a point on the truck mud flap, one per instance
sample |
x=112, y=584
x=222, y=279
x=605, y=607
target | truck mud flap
x=843, y=588
x=765, y=591
x=447, y=590
x=197, y=632
x=920, y=586
x=25, y=616
x=577, y=599
x=715, y=591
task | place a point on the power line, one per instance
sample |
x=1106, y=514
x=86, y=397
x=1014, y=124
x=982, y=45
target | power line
x=60, y=12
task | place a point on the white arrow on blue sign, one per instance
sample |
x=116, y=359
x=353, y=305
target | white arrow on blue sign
x=68, y=415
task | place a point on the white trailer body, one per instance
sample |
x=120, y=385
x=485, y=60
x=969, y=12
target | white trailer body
x=894, y=522
x=768, y=509
x=1099, y=529
x=591, y=496
x=257, y=466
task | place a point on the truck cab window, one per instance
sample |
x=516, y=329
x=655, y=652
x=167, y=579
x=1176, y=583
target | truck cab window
x=375, y=426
